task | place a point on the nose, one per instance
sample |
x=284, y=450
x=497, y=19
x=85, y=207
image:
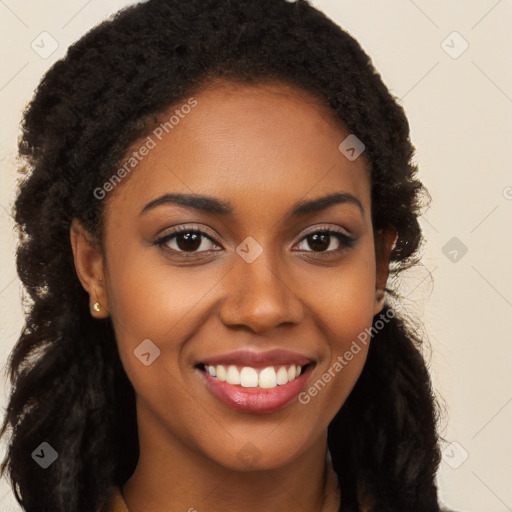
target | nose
x=259, y=296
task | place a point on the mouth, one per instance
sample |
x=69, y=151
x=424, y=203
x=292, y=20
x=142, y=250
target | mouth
x=267, y=377
x=256, y=383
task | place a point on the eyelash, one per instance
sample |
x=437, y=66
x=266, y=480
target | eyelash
x=346, y=241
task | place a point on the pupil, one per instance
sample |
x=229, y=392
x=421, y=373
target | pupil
x=192, y=241
x=317, y=244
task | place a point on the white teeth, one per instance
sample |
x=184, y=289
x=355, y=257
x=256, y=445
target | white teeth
x=282, y=376
x=249, y=377
x=267, y=378
x=233, y=375
x=221, y=372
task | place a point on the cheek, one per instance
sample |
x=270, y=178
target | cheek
x=149, y=296
x=344, y=300
x=343, y=308
x=157, y=302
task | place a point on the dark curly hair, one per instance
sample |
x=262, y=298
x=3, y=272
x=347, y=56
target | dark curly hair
x=69, y=387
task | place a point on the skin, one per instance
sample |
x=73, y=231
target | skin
x=262, y=148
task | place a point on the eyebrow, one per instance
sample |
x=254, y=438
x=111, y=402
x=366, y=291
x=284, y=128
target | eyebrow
x=217, y=206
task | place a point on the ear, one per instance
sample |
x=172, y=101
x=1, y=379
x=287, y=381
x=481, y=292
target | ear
x=89, y=265
x=385, y=241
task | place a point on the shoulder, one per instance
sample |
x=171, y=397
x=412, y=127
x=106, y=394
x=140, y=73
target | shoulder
x=443, y=508
x=113, y=501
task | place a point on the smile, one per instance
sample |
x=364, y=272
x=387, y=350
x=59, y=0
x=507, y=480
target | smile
x=249, y=377
x=256, y=383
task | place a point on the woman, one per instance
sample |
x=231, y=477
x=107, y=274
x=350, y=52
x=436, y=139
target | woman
x=215, y=194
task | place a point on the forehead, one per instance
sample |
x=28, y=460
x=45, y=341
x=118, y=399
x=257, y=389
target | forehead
x=247, y=144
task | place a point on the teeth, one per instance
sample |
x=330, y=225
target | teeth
x=267, y=378
x=221, y=372
x=249, y=377
x=233, y=375
x=282, y=376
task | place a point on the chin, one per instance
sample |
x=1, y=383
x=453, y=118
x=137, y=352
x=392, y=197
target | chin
x=261, y=453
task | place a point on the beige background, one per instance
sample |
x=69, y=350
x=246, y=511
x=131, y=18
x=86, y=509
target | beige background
x=460, y=111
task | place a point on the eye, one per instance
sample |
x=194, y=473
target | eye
x=186, y=241
x=322, y=241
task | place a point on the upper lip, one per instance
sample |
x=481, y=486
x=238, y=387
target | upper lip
x=250, y=358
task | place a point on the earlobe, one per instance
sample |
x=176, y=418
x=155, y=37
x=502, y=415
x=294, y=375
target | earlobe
x=379, y=301
x=88, y=259
x=385, y=241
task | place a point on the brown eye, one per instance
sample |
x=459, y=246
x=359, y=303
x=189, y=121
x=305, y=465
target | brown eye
x=321, y=241
x=186, y=241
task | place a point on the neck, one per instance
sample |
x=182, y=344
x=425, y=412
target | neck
x=170, y=476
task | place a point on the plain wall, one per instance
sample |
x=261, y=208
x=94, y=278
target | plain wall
x=459, y=105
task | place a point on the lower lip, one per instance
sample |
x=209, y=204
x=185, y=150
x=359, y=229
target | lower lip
x=256, y=400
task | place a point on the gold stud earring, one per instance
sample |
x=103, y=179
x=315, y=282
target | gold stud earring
x=96, y=307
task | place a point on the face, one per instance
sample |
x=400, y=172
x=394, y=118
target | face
x=261, y=275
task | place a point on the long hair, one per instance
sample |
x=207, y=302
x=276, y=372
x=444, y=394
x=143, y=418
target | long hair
x=69, y=388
